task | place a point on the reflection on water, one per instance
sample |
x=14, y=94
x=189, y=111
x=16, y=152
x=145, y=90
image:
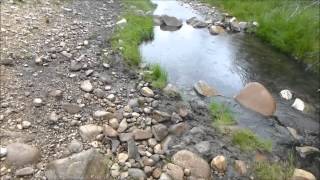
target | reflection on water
x=228, y=62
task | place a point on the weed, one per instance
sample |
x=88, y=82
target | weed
x=221, y=115
x=157, y=76
x=248, y=141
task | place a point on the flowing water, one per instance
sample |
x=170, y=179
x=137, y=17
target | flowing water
x=229, y=61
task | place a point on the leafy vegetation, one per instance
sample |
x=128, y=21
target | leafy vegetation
x=274, y=171
x=221, y=115
x=157, y=76
x=248, y=141
x=138, y=29
x=291, y=26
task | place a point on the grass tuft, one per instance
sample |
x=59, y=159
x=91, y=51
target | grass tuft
x=138, y=29
x=157, y=76
x=221, y=115
x=274, y=171
x=248, y=141
x=291, y=26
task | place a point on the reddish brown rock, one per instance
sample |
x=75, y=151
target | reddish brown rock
x=256, y=97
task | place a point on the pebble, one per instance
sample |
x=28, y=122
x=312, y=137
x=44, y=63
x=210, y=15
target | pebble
x=122, y=157
x=240, y=167
x=219, y=163
x=24, y=171
x=75, y=146
x=111, y=97
x=298, y=104
x=86, y=86
x=147, y=92
x=37, y=102
x=26, y=124
x=86, y=43
x=286, y=94
x=123, y=126
x=3, y=152
x=114, y=123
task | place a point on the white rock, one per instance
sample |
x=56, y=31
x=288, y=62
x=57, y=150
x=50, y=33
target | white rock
x=298, y=104
x=3, y=152
x=219, y=163
x=86, y=43
x=286, y=94
x=37, y=102
x=86, y=86
x=300, y=174
x=26, y=124
x=111, y=97
x=121, y=23
x=122, y=157
x=147, y=92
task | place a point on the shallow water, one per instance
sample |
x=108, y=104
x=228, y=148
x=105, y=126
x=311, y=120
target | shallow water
x=227, y=62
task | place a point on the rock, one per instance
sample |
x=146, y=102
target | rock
x=75, y=146
x=25, y=171
x=147, y=92
x=171, y=21
x=109, y=131
x=101, y=114
x=122, y=157
x=215, y=30
x=243, y=26
x=56, y=93
x=75, y=66
x=98, y=92
x=38, y=60
x=176, y=172
x=295, y=134
x=204, y=89
x=122, y=23
x=196, y=23
x=66, y=54
x=156, y=173
x=25, y=124
x=140, y=134
x=157, y=21
x=307, y=150
x=123, y=126
x=71, y=108
x=90, y=131
x=136, y=173
x=152, y=142
x=22, y=154
x=125, y=137
x=3, y=152
x=235, y=27
x=240, y=167
x=53, y=117
x=159, y=131
x=114, y=123
x=88, y=164
x=132, y=150
x=157, y=149
x=176, y=118
x=286, y=94
x=179, y=129
x=115, y=170
x=298, y=104
x=219, y=163
x=133, y=103
x=165, y=176
x=105, y=78
x=199, y=167
x=300, y=174
x=86, y=86
x=160, y=116
x=203, y=147
x=171, y=91
x=111, y=97
x=85, y=42
x=37, y=102
x=256, y=97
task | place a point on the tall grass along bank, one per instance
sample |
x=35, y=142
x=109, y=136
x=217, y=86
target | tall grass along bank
x=292, y=26
x=138, y=28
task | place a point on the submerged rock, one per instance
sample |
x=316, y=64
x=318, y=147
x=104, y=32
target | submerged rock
x=196, y=23
x=199, y=168
x=256, y=97
x=298, y=104
x=204, y=89
x=171, y=21
x=88, y=164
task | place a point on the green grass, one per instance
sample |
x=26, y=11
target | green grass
x=274, y=171
x=248, y=141
x=157, y=76
x=138, y=29
x=291, y=26
x=221, y=115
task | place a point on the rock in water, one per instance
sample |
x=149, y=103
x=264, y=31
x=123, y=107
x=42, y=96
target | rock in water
x=300, y=174
x=286, y=94
x=85, y=165
x=171, y=91
x=256, y=97
x=196, y=23
x=298, y=104
x=215, y=30
x=171, y=21
x=199, y=168
x=204, y=89
x=22, y=154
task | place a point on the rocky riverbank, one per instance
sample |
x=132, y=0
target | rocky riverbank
x=72, y=109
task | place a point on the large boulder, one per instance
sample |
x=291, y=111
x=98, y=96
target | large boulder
x=19, y=154
x=199, y=168
x=88, y=164
x=171, y=21
x=204, y=89
x=256, y=97
x=300, y=174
